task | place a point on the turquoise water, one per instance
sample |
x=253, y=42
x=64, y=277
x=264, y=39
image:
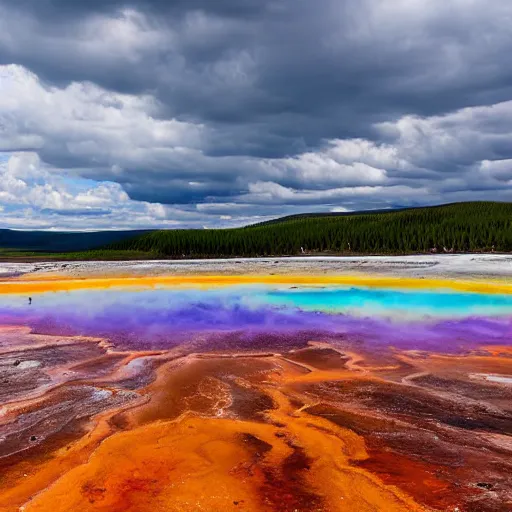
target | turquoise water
x=358, y=300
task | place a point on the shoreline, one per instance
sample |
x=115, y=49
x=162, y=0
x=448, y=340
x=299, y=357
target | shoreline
x=457, y=267
x=67, y=257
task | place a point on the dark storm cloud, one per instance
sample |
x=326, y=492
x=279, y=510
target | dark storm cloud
x=288, y=72
x=352, y=102
x=50, y=9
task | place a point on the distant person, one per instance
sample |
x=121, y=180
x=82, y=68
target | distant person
x=29, y=301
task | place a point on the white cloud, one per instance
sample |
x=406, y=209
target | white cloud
x=119, y=143
x=128, y=35
x=500, y=170
x=32, y=196
x=460, y=137
x=84, y=121
x=262, y=192
x=340, y=162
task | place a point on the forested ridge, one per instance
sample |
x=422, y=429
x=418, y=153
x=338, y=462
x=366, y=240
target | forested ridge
x=459, y=227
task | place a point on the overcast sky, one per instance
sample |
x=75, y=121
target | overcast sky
x=202, y=113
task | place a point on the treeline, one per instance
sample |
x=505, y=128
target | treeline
x=460, y=227
x=61, y=241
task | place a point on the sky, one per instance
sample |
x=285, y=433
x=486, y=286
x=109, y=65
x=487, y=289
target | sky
x=200, y=113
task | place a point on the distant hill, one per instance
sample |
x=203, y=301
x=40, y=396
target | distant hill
x=471, y=226
x=298, y=216
x=57, y=242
